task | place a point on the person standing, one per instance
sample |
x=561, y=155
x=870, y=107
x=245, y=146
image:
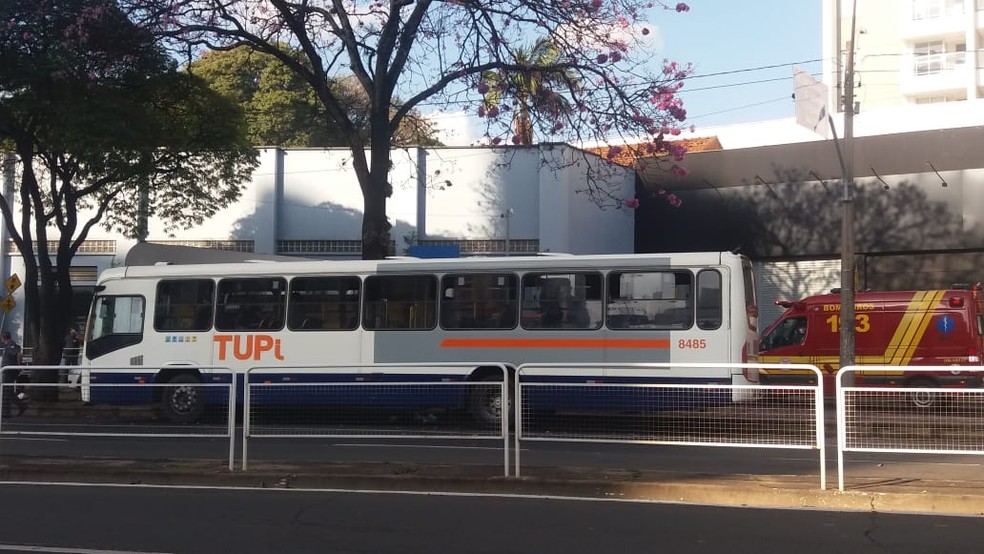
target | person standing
x=13, y=355
x=72, y=346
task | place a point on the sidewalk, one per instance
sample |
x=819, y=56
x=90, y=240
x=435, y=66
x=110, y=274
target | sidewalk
x=755, y=490
x=775, y=491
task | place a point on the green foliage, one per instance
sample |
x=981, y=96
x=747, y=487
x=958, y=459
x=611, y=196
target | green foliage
x=530, y=87
x=97, y=111
x=282, y=108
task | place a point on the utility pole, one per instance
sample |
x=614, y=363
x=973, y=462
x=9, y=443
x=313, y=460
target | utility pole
x=847, y=224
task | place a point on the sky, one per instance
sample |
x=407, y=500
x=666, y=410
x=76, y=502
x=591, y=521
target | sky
x=740, y=39
x=721, y=36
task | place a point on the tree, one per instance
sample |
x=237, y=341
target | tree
x=531, y=91
x=103, y=126
x=282, y=109
x=437, y=51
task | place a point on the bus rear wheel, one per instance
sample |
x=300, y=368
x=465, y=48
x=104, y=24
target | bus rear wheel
x=486, y=402
x=183, y=398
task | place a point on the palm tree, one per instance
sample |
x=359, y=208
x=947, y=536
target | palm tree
x=533, y=87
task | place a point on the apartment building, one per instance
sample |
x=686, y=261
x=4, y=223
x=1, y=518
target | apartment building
x=906, y=51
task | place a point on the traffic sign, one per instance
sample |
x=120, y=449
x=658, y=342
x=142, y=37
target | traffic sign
x=13, y=283
x=7, y=303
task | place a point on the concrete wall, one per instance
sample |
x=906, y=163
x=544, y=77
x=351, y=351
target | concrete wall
x=313, y=194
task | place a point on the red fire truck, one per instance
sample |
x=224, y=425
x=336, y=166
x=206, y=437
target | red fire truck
x=898, y=328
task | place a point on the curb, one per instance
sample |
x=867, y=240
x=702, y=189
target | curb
x=776, y=492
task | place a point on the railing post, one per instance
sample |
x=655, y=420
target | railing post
x=821, y=429
x=504, y=419
x=247, y=415
x=231, y=414
x=841, y=425
x=518, y=418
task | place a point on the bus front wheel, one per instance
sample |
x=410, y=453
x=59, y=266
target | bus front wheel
x=183, y=398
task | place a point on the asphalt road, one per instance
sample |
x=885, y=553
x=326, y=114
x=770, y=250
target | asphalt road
x=45, y=518
x=486, y=452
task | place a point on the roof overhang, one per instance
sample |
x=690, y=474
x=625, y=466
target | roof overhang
x=894, y=154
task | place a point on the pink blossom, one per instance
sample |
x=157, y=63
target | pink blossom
x=602, y=58
x=483, y=88
x=481, y=111
x=645, y=30
x=682, y=7
x=496, y=140
x=516, y=139
x=595, y=4
x=679, y=171
x=616, y=57
x=632, y=203
x=494, y=111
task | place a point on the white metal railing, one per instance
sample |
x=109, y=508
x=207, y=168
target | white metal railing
x=33, y=423
x=673, y=411
x=274, y=408
x=908, y=410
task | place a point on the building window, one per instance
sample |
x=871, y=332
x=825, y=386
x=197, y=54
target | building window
x=319, y=247
x=930, y=9
x=929, y=57
x=229, y=245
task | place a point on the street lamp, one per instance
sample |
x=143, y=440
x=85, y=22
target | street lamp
x=847, y=223
x=507, y=215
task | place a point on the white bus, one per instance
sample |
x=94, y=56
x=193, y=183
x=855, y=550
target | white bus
x=171, y=323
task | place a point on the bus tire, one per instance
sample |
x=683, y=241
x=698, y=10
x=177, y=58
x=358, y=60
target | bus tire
x=183, y=400
x=485, y=402
x=923, y=400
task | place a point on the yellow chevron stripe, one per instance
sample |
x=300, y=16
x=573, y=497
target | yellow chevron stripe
x=904, y=330
x=927, y=317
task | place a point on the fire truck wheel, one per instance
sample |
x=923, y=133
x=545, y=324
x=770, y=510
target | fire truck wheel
x=923, y=399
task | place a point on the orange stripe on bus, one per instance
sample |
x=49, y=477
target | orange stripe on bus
x=555, y=343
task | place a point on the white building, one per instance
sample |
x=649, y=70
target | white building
x=483, y=200
x=906, y=51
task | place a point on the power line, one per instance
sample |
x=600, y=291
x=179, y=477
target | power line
x=751, y=69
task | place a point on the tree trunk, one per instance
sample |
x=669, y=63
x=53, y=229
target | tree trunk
x=375, y=224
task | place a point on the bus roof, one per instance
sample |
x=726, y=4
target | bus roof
x=401, y=265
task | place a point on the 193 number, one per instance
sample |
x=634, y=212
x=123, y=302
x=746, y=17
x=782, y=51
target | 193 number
x=862, y=323
x=692, y=343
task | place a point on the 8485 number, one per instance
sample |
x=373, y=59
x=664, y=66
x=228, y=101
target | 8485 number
x=691, y=344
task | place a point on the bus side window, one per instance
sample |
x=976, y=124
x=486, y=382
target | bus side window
x=562, y=301
x=248, y=304
x=324, y=303
x=184, y=305
x=651, y=300
x=709, y=314
x=400, y=302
